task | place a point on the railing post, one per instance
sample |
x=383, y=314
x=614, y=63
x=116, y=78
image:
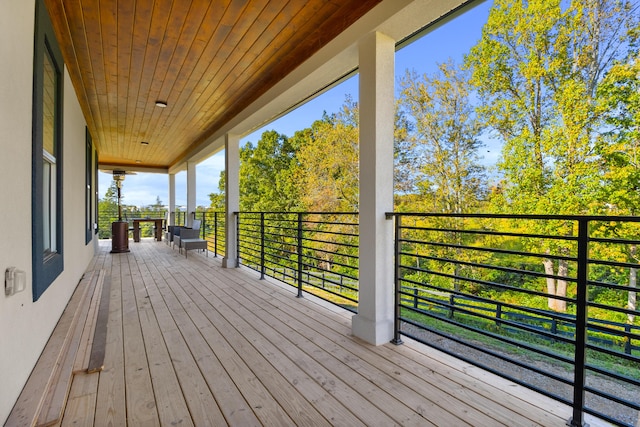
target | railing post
x=300, y=255
x=577, y=419
x=261, y=245
x=215, y=234
x=452, y=303
x=204, y=226
x=397, y=340
x=237, y=215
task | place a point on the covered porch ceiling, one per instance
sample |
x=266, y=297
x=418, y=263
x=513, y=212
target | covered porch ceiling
x=220, y=66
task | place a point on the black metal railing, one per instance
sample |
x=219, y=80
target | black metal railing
x=315, y=252
x=213, y=230
x=546, y=301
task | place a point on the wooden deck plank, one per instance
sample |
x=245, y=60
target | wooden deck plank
x=99, y=341
x=277, y=371
x=331, y=384
x=84, y=351
x=373, y=405
x=45, y=374
x=191, y=343
x=141, y=404
x=365, y=378
x=345, y=360
x=229, y=399
x=474, y=395
x=181, y=342
x=111, y=403
x=172, y=408
x=57, y=391
x=370, y=360
x=257, y=397
x=170, y=393
x=480, y=413
x=81, y=405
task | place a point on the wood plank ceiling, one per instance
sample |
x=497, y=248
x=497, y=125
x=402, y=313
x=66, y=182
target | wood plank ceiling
x=208, y=60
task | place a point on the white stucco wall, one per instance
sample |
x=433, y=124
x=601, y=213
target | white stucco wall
x=25, y=326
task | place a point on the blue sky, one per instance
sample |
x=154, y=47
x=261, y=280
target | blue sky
x=452, y=40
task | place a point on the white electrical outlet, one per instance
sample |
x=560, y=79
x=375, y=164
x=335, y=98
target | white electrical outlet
x=14, y=281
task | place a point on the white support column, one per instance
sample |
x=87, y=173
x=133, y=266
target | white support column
x=374, y=321
x=232, y=198
x=191, y=192
x=172, y=199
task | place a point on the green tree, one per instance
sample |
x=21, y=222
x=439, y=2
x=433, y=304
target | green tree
x=327, y=162
x=447, y=130
x=218, y=199
x=107, y=211
x=537, y=68
x=266, y=174
x=620, y=92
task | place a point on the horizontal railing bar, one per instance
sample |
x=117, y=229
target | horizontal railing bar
x=332, y=233
x=614, y=375
x=294, y=213
x=612, y=218
x=492, y=250
x=499, y=355
x=518, y=326
x=627, y=357
x=340, y=254
x=309, y=257
x=564, y=318
x=488, y=266
x=344, y=245
x=613, y=240
x=350, y=224
x=614, y=263
x=479, y=282
x=489, y=233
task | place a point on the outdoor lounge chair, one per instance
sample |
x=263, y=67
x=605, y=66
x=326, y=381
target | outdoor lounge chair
x=177, y=232
x=189, y=239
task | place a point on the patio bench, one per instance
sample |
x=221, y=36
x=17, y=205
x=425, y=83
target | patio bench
x=76, y=346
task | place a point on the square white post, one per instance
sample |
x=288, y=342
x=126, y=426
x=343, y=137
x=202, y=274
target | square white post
x=172, y=199
x=191, y=192
x=232, y=198
x=374, y=321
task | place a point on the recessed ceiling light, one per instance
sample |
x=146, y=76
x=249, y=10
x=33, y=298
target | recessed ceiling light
x=144, y=143
x=138, y=161
x=161, y=104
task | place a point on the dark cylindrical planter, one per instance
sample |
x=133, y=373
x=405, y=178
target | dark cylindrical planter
x=119, y=237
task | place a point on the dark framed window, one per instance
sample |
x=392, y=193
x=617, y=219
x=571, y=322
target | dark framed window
x=46, y=203
x=96, y=196
x=89, y=187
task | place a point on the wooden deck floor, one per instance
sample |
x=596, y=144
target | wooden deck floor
x=191, y=343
